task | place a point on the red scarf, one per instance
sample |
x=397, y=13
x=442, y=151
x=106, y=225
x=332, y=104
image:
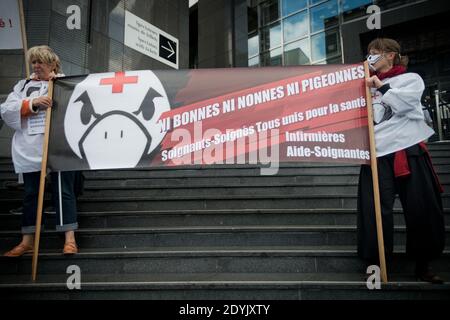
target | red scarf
x=401, y=165
x=394, y=71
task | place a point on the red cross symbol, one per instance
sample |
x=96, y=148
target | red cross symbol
x=118, y=81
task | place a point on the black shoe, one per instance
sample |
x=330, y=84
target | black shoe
x=14, y=185
x=424, y=273
x=17, y=211
x=429, y=277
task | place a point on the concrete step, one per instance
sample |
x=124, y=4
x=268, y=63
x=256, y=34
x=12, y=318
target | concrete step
x=252, y=185
x=226, y=236
x=443, y=152
x=332, y=259
x=209, y=191
x=233, y=172
x=212, y=202
x=204, y=191
x=437, y=159
x=215, y=172
x=438, y=144
x=258, y=181
x=222, y=286
x=136, y=219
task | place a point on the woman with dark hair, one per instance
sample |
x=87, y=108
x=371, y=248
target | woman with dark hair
x=404, y=165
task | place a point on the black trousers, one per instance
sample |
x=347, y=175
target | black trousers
x=63, y=185
x=422, y=206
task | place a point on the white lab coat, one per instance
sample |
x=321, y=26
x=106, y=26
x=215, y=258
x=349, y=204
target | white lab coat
x=26, y=148
x=398, y=114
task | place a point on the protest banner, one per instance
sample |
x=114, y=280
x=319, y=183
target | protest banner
x=144, y=119
x=216, y=116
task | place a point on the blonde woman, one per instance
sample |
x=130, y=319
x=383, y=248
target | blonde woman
x=24, y=111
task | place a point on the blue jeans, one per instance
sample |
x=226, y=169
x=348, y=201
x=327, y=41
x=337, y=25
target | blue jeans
x=63, y=199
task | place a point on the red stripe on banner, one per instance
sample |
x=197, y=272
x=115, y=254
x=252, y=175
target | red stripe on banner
x=273, y=110
x=270, y=114
x=314, y=104
x=307, y=97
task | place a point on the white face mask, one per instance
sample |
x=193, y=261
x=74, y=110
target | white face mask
x=373, y=59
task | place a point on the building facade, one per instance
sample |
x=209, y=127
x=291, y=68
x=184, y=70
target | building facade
x=258, y=33
x=235, y=33
x=98, y=46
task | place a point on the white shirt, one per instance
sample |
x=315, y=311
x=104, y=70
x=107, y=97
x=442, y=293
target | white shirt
x=26, y=149
x=398, y=114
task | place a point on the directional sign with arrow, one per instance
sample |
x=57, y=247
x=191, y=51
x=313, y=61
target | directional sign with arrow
x=167, y=49
x=150, y=40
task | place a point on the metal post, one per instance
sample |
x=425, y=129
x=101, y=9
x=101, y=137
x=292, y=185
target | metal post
x=438, y=114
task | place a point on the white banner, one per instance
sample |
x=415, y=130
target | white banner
x=10, y=33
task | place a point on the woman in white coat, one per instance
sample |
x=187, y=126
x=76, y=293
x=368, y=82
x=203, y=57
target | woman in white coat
x=404, y=165
x=24, y=111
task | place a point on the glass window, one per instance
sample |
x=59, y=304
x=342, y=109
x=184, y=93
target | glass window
x=325, y=45
x=296, y=26
x=272, y=58
x=116, y=23
x=387, y=4
x=253, y=62
x=270, y=11
x=324, y=16
x=252, y=19
x=353, y=9
x=315, y=1
x=115, y=56
x=353, y=4
x=270, y=37
x=291, y=6
x=297, y=53
x=336, y=60
x=253, y=46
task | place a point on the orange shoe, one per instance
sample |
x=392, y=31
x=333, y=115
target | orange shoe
x=70, y=248
x=19, y=251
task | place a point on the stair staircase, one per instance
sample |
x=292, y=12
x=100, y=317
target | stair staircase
x=215, y=232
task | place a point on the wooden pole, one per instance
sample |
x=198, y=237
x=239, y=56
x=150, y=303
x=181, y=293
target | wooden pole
x=376, y=188
x=24, y=37
x=37, y=234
